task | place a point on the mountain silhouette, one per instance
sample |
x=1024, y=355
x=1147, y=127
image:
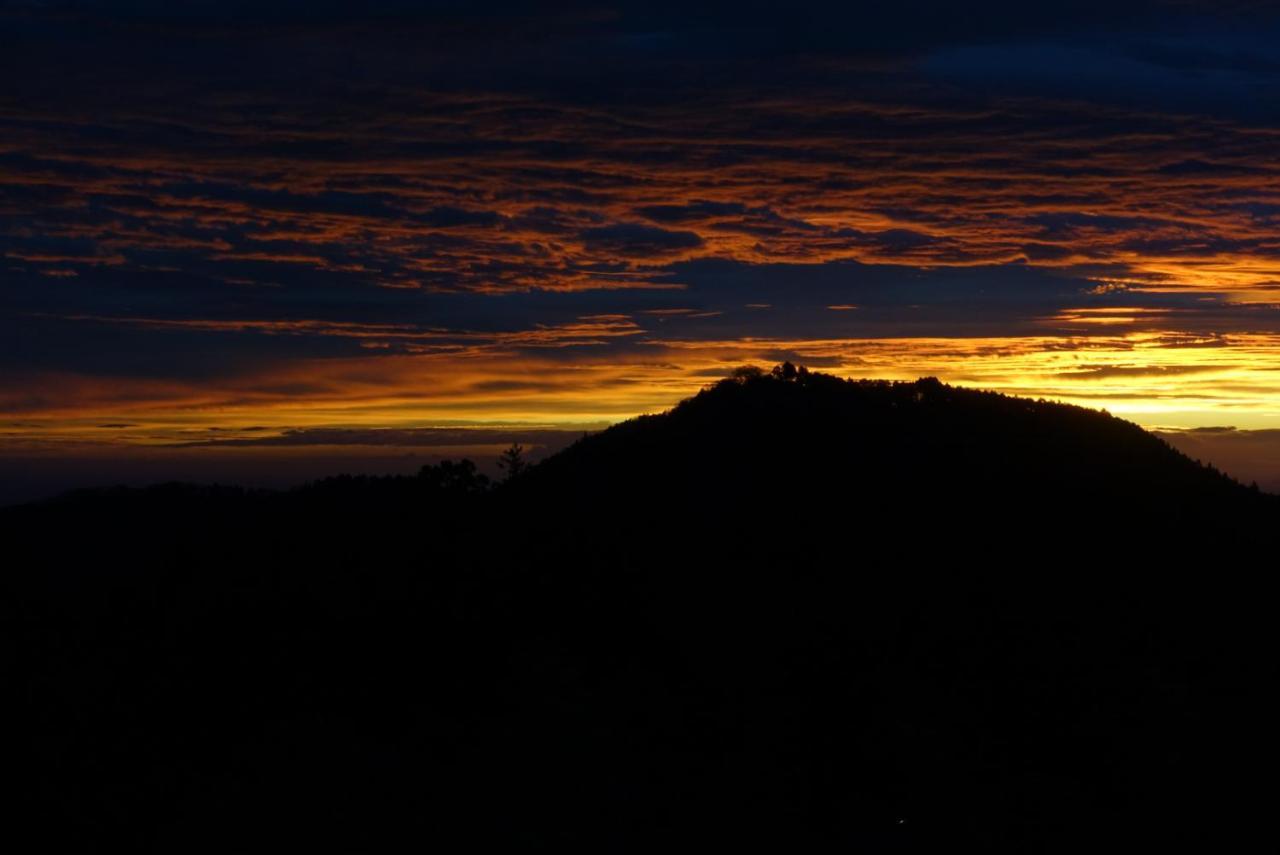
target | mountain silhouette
x=793, y=611
x=822, y=445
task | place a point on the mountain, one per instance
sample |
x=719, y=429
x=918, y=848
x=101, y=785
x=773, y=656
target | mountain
x=905, y=453
x=793, y=611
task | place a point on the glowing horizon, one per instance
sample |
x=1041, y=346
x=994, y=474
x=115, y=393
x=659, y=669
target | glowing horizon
x=1159, y=379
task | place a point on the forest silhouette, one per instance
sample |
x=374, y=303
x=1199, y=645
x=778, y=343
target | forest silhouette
x=793, y=611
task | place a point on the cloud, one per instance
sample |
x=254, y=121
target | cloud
x=535, y=437
x=1101, y=371
x=796, y=357
x=1195, y=166
x=634, y=239
x=691, y=212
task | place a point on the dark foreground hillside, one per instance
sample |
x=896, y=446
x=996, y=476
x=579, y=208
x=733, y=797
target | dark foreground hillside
x=795, y=612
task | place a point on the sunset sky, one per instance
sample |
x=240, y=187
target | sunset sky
x=272, y=240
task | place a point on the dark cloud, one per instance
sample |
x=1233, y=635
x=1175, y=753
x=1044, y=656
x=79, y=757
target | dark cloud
x=536, y=438
x=261, y=199
x=1190, y=56
x=448, y=217
x=1195, y=167
x=636, y=239
x=1099, y=371
x=691, y=212
x=796, y=357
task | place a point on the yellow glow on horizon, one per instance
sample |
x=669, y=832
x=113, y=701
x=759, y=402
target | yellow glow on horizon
x=1156, y=378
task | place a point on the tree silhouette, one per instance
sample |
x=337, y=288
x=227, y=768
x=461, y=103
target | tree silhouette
x=512, y=460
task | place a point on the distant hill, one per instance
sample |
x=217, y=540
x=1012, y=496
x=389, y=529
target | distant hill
x=795, y=611
x=910, y=453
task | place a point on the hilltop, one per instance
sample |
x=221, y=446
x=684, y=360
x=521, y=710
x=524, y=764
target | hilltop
x=933, y=451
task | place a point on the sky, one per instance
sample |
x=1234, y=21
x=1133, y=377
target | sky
x=269, y=241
